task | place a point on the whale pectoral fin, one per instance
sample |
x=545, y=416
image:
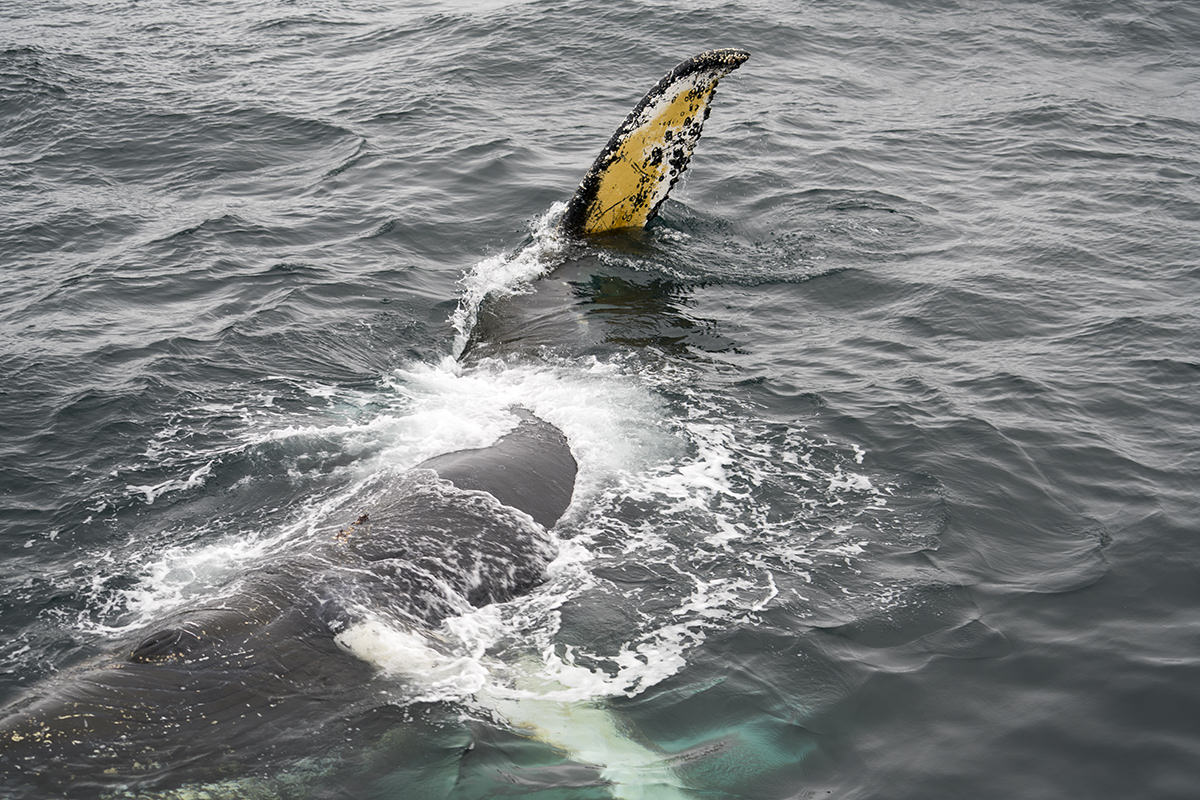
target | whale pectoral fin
x=587, y=731
x=645, y=157
x=591, y=734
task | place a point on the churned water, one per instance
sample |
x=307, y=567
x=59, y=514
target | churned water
x=887, y=428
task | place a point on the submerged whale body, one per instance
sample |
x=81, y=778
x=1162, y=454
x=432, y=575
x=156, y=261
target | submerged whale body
x=238, y=678
x=220, y=677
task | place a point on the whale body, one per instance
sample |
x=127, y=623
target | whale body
x=237, y=675
x=238, y=678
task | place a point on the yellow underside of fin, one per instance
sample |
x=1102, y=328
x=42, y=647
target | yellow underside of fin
x=639, y=173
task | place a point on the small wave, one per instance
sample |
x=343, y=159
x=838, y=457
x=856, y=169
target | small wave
x=224, y=225
x=361, y=149
x=310, y=23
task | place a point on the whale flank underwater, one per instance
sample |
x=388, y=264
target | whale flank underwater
x=247, y=677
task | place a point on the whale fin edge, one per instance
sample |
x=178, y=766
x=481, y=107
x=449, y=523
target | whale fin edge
x=651, y=149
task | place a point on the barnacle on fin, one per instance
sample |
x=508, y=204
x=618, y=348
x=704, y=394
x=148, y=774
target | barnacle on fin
x=633, y=174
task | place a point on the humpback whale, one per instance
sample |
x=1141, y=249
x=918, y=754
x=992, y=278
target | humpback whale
x=247, y=676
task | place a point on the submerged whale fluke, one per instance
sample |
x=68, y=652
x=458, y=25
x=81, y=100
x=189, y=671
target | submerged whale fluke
x=635, y=171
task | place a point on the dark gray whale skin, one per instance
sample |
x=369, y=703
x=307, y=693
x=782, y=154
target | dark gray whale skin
x=234, y=682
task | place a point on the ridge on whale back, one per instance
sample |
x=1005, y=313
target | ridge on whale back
x=236, y=680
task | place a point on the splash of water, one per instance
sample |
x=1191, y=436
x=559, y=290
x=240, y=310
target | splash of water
x=508, y=273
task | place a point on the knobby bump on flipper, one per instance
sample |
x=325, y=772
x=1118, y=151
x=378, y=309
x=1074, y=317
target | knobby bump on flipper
x=636, y=170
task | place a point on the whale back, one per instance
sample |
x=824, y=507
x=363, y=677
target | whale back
x=241, y=680
x=530, y=469
x=233, y=678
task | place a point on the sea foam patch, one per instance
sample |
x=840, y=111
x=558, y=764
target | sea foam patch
x=614, y=424
x=711, y=533
x=697, y=508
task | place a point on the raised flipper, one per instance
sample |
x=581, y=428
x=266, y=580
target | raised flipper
x=637, y=168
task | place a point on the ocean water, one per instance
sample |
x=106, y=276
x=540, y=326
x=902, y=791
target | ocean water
x=887, y=427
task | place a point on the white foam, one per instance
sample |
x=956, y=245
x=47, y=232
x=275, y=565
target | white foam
x=613, y=423
x=850, y=480
x=208, y=566
x=195, y=479
x=409, y=654
x=180, y=576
